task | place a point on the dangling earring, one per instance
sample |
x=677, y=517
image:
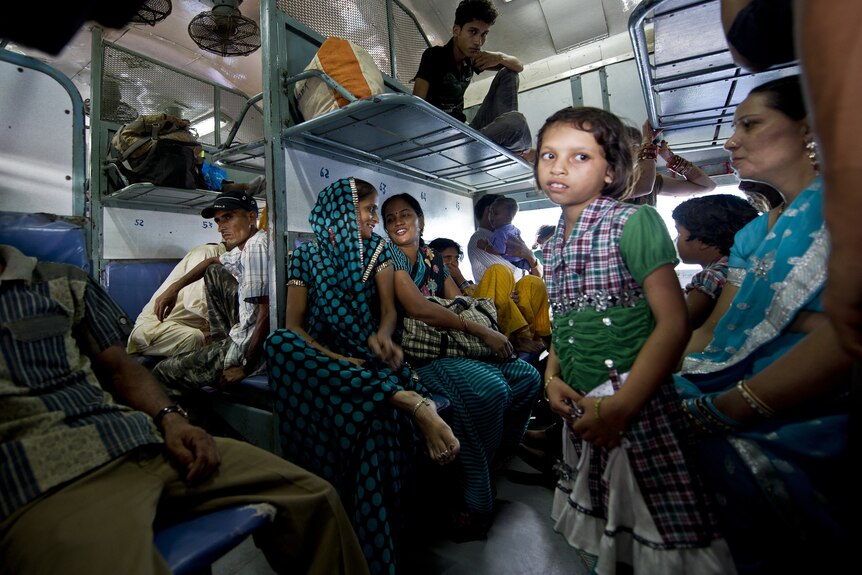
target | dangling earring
x=331, y=236
x=811, y=147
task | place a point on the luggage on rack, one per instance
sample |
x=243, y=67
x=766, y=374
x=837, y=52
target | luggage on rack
x=347, y=64
x=157, y=149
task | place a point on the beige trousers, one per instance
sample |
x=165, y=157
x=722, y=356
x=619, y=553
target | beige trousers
x=102, y=523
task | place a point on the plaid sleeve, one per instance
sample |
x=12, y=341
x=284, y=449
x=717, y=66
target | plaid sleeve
x=255, y=275
x=709, y=281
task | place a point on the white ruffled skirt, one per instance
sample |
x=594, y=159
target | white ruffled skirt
x=629, y=534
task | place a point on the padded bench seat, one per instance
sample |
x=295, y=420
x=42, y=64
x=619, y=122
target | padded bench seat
x=133, y=283
x=192, y=546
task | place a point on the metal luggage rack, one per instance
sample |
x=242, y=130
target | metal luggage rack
x=402, y=134
x=690, y=83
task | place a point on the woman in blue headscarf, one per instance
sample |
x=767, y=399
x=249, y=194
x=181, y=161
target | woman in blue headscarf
x=345, y=405
x=765, y=394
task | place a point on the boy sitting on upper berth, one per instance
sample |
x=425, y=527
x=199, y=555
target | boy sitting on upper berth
x=445, y=72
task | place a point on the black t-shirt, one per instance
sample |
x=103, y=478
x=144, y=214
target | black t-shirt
x=763, y=32
x=446, y=83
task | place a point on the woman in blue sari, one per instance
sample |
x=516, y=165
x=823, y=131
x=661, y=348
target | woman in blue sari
x=346, y=407
x=765, y=394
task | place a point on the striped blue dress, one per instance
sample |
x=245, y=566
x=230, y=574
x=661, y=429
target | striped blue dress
x=491, y=402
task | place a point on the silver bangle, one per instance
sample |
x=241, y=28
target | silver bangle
x=424, y=401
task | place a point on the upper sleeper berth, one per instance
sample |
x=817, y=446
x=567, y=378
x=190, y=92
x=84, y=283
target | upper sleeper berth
x=394, y=131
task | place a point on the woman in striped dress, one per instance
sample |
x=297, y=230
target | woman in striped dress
x=491, y=401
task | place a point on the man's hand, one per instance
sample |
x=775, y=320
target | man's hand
x=515, y=246
x=165, y=303
x=192, y=448
x=495, y=61
x=230, y=376
x=488, y=60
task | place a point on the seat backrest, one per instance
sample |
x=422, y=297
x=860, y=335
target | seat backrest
x=132, y=284
x=45, y=237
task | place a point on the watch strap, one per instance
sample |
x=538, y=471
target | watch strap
x=173, y=408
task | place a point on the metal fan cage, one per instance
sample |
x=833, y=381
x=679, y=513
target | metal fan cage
x=225, y=34
x=152, y=11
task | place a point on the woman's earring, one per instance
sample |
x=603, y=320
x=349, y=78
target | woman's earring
x=811, y=146
x=331, y=236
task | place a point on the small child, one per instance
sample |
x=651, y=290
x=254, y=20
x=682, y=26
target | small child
x=503, y=211
x=626, y=493
x=705, y=229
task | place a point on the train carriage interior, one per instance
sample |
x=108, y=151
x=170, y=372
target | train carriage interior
x=63, y=197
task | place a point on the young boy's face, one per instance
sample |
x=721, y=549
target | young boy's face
x=470, y=37
x=690, y=251
x=500, y=215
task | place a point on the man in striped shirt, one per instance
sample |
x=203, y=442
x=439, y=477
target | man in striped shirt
x=237, y=286
x=81, y=475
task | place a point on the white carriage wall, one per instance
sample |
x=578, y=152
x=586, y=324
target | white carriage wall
x=446, y=214
x=146, y=234
x=35, y=143
x=624, y=97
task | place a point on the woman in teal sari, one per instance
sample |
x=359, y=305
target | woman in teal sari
x=347, y=409
x=765, y=394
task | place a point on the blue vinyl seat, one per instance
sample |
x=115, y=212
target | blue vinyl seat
x=191, y=547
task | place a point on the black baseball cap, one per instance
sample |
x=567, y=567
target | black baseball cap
x=231, y=201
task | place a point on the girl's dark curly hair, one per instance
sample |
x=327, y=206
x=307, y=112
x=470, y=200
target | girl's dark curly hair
x=715, y=219
x=610, y=133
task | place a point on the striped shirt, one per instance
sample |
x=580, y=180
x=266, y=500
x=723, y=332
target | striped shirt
x=56, y=421
x=250, y=268
x=480, y=260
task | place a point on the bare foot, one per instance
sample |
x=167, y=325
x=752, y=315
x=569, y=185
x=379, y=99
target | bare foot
x=442, y=444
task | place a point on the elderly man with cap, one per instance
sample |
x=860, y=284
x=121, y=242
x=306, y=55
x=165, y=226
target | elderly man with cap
x=237, y=288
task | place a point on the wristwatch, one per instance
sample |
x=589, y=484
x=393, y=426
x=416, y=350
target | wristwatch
x=174, y=408
x=244, y=364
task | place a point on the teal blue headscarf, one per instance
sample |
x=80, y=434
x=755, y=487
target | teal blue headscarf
x=335, y=223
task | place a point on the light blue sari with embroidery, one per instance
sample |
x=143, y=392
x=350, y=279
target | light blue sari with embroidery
x=778, y=484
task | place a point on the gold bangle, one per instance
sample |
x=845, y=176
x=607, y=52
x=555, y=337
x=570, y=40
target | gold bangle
x=463, y=324
x=547, y=383
x=599, y=408
x=753, y=401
